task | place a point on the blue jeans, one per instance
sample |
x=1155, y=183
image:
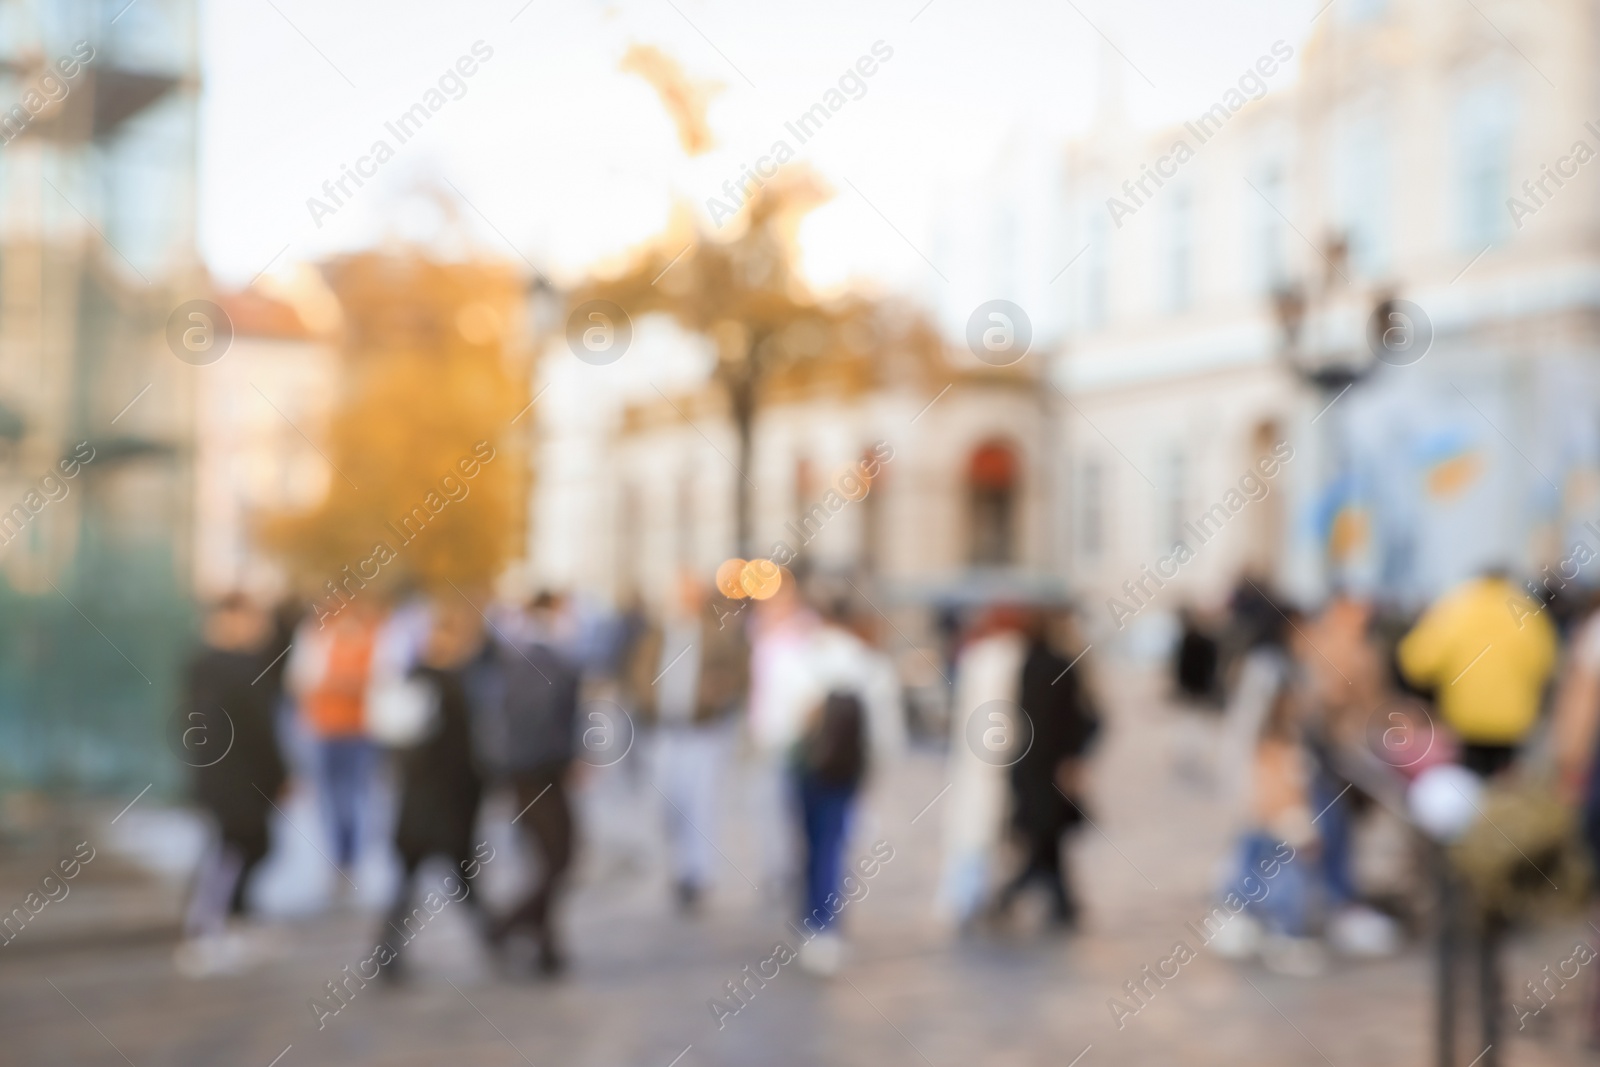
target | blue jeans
x=344, y=773
x=1338, y=876
x=825, y=817
x=1284, y=906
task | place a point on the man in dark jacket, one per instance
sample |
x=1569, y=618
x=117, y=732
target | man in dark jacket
x=530, y=739
x=1045, y=781
x=227, y=734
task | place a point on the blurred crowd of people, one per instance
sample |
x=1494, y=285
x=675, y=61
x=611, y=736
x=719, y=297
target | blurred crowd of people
x=1322, y=731
x=411, y=714
x=1472, y=727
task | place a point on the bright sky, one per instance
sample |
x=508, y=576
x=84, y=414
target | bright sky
x=566, y=160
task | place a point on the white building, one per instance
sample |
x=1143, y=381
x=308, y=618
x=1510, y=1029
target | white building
x=1410, y=125
x=1378, y=168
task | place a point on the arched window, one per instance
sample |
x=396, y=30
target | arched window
x=992, y=474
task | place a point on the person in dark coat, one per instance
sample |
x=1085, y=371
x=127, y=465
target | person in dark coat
x=1045, y=785
x=226, y=733
x=440, y=786
x=535, y=738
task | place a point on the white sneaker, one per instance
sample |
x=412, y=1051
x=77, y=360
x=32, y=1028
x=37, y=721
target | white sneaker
x=1237, y=939
x=232, y=951
x=1362, y=932
x=192, y=957
x=210, y=955
x=1299, y=957
x=823, y=955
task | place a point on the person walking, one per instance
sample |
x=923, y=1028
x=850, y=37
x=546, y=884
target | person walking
x=689, y=679
x=229, y=740
x=784, y=626
x=440, y=785
x=1344, y=685
x=1267, y=770
x=329, y=670
x=534, y=731
x=855, y=723
x=1197, y=696
x=1485, y=650
x=988, y=680
x=1047, y=779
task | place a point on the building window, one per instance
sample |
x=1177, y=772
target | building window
x=1268, y=261
x=684, y=524
x=1091, y=510
x=1096, y=284
x=1175, y=505
x=627, y=543
x=1179, y=250
x=992, y=504
x=1484, y=126
x=1359, y=11
x=1362, y=177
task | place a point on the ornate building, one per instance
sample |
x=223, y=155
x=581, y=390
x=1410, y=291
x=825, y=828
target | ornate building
x=1253, y=261
x=1228, y=310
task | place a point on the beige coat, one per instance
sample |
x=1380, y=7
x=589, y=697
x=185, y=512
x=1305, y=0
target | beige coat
x=724, y=668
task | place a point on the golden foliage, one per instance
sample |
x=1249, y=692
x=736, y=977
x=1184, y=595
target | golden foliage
x=429, y=370
x=745, y=294
x=774, y=338
x=685, y=100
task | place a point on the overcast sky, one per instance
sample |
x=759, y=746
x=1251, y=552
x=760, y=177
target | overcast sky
x=565, y=160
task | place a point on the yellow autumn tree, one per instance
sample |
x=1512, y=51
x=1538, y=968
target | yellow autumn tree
x=742, y=289
x=430, y=475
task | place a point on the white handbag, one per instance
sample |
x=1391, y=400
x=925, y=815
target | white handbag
x=401, y=711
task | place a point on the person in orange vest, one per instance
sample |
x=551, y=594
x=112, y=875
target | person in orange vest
x=328, y=673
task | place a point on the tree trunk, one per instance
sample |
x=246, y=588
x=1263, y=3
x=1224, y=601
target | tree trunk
x=741, y=398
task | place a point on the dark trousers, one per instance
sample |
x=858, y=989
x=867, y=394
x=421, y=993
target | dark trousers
x=1044, y=863
x=251, y=848
x=547, y=827
x=403, y=923
x=1486, y=761
x=825, y=817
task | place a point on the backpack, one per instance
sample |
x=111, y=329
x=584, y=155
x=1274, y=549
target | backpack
x=535, y=709
x=834, y=752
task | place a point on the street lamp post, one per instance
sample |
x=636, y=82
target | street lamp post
x=1324, y=345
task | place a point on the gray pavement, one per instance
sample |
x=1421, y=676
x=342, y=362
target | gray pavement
x=642, y=977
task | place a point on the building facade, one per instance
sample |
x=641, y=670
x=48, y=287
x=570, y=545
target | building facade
x=1234, y=258
x=97, y=193
x=1335, y=330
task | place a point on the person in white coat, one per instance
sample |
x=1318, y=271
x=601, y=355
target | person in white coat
x=988, y=683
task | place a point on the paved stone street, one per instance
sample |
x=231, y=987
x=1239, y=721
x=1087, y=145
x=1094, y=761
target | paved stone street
x=641, y=978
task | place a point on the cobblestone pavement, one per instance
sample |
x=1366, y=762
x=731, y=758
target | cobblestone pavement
x=641, y=977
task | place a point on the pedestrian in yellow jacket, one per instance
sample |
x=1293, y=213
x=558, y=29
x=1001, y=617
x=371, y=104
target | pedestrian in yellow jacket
x=1486, y=650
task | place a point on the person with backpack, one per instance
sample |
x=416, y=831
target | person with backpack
x=528, y=735
x=855, y=723
x=689, y=677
